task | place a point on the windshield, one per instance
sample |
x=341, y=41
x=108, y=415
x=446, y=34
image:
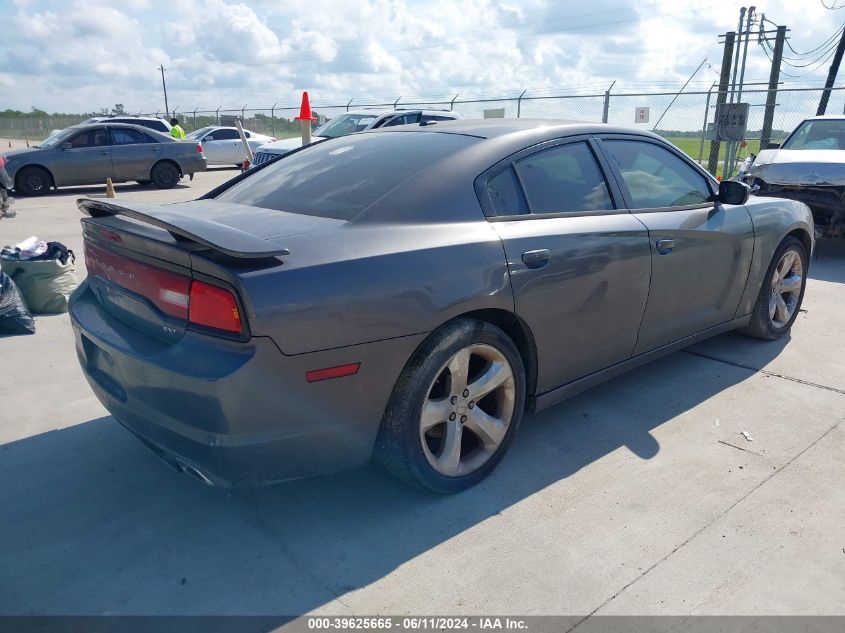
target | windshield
x=200, y=132
x=345, y=124
x=339, y=178
x=819, y=134
x=59, y=138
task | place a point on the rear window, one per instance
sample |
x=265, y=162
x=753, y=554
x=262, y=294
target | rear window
x=341, y=177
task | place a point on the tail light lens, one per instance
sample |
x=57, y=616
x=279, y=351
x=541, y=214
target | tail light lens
x=174, y=294
x=214, y=307
x=2, y=162
x=273, y=139
x=199, y=147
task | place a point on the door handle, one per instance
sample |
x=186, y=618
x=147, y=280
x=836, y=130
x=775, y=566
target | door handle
x=665, y=246
x=536, y=259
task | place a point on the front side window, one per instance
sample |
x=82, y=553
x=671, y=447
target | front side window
x=222, y=135
x=656, y=177
x=404, y=119
x=565, y=178
x=90, y=138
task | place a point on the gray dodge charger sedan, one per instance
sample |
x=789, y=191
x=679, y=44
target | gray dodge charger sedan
x=88, y=154
x=407, y=294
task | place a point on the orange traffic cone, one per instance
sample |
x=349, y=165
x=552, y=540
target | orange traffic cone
x=109, y=189
x=305, y=117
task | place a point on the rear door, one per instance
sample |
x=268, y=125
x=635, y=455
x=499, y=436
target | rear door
x=701, y=251
x=579, y=262
x=133, y=153
x=88, y=160
x=221, y=147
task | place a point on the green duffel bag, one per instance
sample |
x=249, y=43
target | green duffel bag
x=46, y=285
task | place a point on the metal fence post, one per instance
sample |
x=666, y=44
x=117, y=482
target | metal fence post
x=195, y=120
x=452, y=105
x=395, y=103
x=606, y=110
x=273, y=119
x=519, y=103
x=704, y=125
x=242, y=114
x=217, y=114
x=349, y=103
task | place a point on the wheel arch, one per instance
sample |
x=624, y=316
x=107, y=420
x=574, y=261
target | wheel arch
x=805, y=238
x=39, y=166
x=521, y=335
x=173, y=162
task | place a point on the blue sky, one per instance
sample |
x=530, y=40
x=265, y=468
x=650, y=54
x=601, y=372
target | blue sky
x=77, y=55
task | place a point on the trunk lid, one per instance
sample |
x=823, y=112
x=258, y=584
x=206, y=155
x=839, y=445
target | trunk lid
x=140, y=256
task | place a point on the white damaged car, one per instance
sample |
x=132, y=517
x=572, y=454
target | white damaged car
x=809, y=167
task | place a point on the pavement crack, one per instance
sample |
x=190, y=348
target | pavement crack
x=739, y=448
x=773, y=374
x=704, y=527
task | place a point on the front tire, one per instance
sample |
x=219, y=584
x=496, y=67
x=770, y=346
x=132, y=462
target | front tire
x=33, y=181
x=164, y=175
x=455, y=409
x=782, y=292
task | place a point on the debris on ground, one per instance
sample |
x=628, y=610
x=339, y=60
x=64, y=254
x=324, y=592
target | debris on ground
x=747, y=436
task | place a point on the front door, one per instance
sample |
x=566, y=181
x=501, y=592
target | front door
x=87, y=160
x=223, y=147
x=579, y=262
x=701, y=250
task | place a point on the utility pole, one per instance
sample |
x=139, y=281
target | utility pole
x=831, y=75
x=721, y=98
x=771, y=96
x=730, y=158
x=164, y=87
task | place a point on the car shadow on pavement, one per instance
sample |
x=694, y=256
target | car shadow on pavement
x=94, y=523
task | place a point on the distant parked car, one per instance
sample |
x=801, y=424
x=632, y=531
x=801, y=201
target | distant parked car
x=88, y=154
x=809, y=167
x=154, y=123
x=354, y=121
x=222, y=145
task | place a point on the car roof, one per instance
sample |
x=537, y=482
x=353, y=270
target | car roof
x=380, y=112
x=827, y=117
x=491, y=128
x=110, y=124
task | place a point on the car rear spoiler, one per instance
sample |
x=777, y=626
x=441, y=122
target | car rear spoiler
x=185, y=227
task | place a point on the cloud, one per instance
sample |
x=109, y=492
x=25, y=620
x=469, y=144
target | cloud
x=79, y=55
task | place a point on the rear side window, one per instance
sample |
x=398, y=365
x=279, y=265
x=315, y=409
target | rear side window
x=341, y=177
x=222, y=135
x=655, y=177
x=127, y=136
x=565, y=178
x=505, y=194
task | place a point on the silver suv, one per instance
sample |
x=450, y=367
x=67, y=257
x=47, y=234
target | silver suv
x=354, y=121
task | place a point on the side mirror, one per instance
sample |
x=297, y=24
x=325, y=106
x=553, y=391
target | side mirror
x=733, y=192
x=773, y=146
x=66, y=146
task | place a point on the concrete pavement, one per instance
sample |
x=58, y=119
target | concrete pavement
x=638, y=497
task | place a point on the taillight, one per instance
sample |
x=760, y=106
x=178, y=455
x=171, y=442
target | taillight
x=199, y=147
x=168, y=291
x=213, y=307
x=272, y=139
x=2, y=162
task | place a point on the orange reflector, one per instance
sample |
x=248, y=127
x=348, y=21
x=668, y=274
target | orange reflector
x=332, y=372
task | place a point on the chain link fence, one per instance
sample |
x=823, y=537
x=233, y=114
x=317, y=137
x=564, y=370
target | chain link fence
x=685, y=118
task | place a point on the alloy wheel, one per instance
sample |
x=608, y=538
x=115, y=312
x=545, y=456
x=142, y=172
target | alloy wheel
x=786, y=283
x=468, y=410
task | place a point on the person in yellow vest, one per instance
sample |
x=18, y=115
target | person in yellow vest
x=176, y=130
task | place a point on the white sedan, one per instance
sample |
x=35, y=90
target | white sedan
x=222, y=145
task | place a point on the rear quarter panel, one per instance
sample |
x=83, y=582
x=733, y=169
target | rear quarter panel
x=773, y=219
x=185, y=154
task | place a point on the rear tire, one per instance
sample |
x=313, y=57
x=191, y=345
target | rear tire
x=164, y=175
x=33, y=181
x=455, y=409
x=782, y=292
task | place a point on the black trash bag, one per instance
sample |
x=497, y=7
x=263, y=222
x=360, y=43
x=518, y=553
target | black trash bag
x=14, y=315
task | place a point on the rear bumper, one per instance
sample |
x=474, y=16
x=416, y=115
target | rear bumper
x=240, y=414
